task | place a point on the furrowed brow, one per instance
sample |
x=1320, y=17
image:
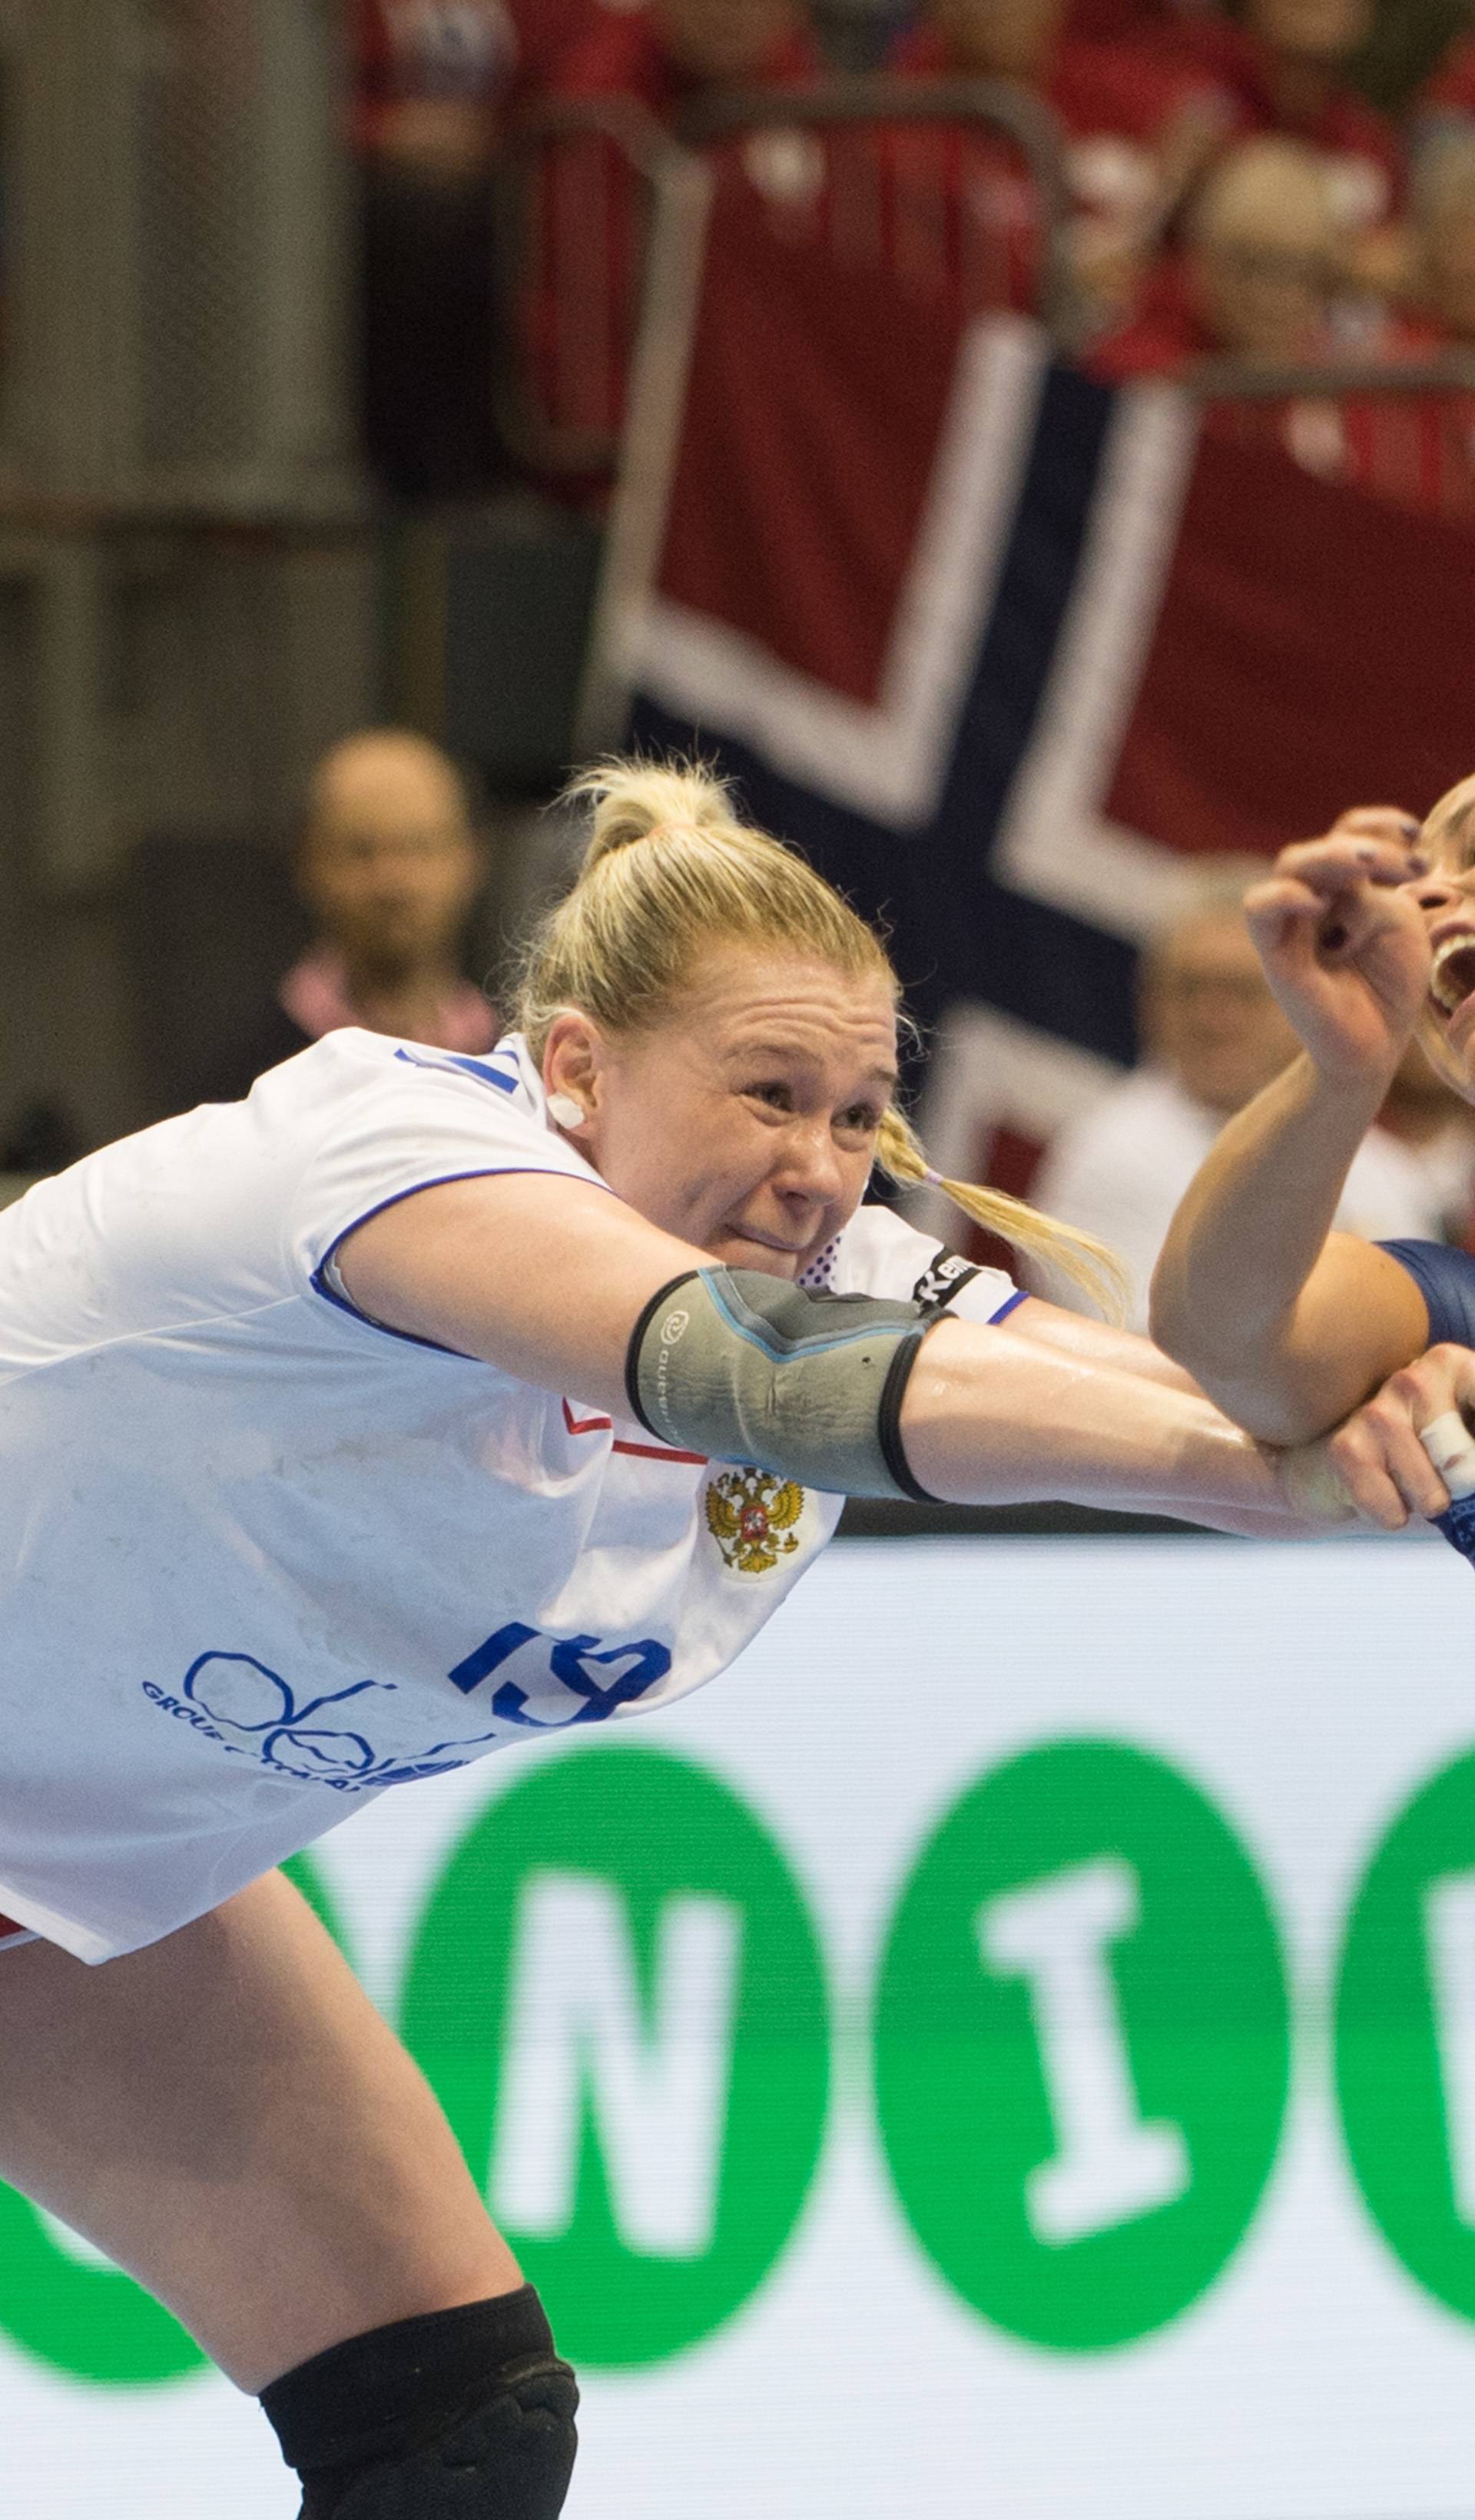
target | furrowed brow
x=744, y=1052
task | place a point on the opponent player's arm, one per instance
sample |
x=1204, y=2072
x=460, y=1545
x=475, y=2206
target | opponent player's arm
x=1288, y=1324
x=563, y=1286
x=1285, y=1323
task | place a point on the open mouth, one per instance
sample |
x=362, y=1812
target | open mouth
x=1453, y=978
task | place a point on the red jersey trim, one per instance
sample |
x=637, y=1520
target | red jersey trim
x=641, y=1451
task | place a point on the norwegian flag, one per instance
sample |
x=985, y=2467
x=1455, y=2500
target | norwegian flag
x=1001, y=648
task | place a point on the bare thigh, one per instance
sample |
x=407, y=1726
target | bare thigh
x=227, y=2116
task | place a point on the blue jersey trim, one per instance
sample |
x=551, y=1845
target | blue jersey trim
x=476, y=1067
x=776, y=1348
x=1019, y=1296
x=1446, y=1280
x=320, y=1281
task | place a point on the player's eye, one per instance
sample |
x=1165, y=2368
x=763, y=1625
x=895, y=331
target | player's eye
x=862, y=1119
x=779, y=1097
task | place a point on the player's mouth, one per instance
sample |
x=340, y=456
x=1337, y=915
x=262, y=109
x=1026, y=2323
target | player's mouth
x=768, y=1243
x=1452, y=982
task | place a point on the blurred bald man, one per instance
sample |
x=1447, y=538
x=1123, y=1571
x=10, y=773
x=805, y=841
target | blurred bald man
x=389, y=865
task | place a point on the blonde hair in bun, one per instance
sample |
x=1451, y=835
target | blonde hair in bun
x=633, y=799
x=669, y=872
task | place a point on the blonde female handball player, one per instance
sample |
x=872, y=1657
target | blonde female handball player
x=404, y=1410
x=1367, y=937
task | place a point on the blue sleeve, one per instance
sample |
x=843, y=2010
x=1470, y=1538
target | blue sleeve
x=1445, y=1279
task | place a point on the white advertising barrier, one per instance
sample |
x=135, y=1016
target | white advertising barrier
x=1009, y=2047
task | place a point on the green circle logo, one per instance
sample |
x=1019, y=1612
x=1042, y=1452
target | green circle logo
x=618, y=1993
x=1406, y=2037
x=62, y=2302
x=1082, y=2046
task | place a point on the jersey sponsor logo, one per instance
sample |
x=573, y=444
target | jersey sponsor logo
x=947, y=1277
x=252, y=1713
x=752, y=1516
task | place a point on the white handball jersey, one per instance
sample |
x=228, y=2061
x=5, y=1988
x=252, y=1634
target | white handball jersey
x=262, y=1560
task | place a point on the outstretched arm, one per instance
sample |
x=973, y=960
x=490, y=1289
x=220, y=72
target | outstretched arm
x=1080, y=1335
x=547, y=1279
x=1287, y=1325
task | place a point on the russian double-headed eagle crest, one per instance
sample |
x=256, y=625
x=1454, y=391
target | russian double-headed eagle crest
x=752, y=1516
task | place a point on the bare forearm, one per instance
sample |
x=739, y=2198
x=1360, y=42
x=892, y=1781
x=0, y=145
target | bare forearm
x=1077, y=1336
x=1243, y=1247
x=989, y=1419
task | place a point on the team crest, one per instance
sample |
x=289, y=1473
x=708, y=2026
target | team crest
x=752, y=1516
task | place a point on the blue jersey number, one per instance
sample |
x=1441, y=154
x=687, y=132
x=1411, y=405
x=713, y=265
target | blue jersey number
x=569, y=1660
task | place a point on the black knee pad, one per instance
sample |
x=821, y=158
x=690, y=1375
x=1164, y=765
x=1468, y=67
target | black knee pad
x=511, y=2459
x=464, y=2414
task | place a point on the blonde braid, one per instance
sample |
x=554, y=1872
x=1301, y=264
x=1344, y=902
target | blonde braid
x=1091, y=1266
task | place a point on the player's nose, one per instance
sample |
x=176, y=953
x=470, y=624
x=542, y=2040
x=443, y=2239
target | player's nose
x=810, y=1166
x=1437, y=892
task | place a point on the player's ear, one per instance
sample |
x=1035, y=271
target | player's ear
x=573, y=1060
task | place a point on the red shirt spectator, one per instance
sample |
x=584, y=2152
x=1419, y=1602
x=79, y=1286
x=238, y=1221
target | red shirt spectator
x=1444, y=239
x=674, y=50
x=1257, y=285
x=1256, y=279
x=1167, y=337
x=1134, y=122
x=1282, y=70
x=1094, y=87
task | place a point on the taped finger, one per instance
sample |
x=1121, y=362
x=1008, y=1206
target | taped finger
x=1450, y=1448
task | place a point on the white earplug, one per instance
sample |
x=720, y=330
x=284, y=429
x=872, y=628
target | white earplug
x=565, y=1111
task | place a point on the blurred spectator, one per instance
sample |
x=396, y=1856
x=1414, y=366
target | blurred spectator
x=1137, y=126
x=1444, y=229
x=1283, y=67
x=1258, y=282
x=1256, y=279
x=389, y=865
x=432, y=83
x=1213, y=1036
x=672, y=51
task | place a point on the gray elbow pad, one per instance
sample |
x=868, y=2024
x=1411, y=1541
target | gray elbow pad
x=746, y=1368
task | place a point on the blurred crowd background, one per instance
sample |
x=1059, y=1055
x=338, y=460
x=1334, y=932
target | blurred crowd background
x=317, y=321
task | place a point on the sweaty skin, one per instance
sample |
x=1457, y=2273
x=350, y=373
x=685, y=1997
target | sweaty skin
x=743, y=1129
x=290, y=2181
x=1289, y=1326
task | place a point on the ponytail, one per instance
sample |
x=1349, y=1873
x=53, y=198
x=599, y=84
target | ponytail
x=1089, y=1266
